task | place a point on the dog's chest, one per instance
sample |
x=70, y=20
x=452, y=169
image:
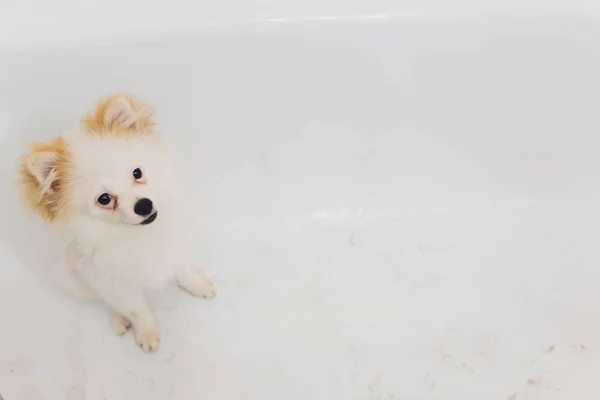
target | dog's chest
x=145, y=260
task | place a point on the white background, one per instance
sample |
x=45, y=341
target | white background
x=391, y=208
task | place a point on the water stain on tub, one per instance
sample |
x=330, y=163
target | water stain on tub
x=133, y=375
x=374, y=388
x=20, y=365
x=534, y=382
x=352, y=239
x=76, y=393
x=264, y=161
x=170, y=356
x=581, y=350
x=464, y=367
x=375, y=385
x=429, y=382
x=444, y=355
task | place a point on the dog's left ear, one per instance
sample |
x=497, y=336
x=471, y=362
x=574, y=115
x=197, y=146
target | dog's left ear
x=127, y=114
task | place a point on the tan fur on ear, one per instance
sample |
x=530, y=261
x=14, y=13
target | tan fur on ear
x=45, y=174
x=119, y=114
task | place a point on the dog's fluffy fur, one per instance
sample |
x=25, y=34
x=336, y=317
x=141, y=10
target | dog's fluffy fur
x=110, y=251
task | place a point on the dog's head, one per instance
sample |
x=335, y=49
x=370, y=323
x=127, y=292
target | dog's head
x=109, y=169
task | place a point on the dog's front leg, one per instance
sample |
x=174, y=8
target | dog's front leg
x=193, y=281
x=132, y=309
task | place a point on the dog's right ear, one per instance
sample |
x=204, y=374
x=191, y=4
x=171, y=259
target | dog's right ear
x=44, y=173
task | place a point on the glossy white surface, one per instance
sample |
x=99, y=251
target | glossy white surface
x=34, y=24
x=389, y=209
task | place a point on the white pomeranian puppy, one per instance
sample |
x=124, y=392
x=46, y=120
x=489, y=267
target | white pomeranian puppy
x=109, y=189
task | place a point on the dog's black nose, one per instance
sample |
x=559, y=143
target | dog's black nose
x=143, y=207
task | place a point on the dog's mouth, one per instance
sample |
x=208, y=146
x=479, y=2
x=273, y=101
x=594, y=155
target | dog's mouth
x=150, y=219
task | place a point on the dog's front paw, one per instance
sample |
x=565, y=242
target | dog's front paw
x=204, y=289
x=194, y=282
x=121, y=324
x=148, y=340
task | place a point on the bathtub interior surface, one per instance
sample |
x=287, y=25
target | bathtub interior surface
x=27, y=24
x=389, y=210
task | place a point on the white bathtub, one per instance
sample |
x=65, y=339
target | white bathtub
x=391, y=208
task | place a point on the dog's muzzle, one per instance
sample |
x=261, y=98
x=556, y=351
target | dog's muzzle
x=150, y=219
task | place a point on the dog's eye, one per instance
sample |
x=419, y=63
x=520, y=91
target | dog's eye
x=104, y=199
x=137, y=174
